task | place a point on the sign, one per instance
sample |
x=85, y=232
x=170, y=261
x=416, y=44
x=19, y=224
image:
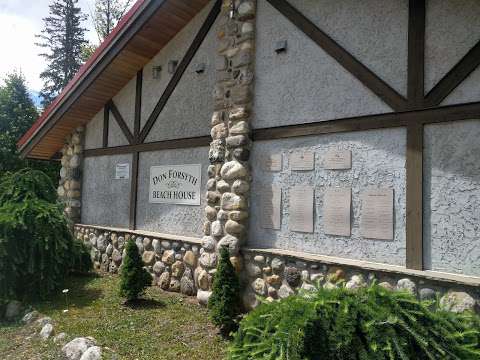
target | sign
x=271, y=206
x=273, y=163
x=175, y=184
x=122, y=171
x=301, y=209
x=302, y=160
x=377, y=214
x=336, y=213
x=338, y=160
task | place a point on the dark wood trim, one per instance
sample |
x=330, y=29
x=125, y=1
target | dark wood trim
x=153, y=146
x=106, y=123
x=414, y=195
x=370, y=122
x=121, y=41
x=192, y=50
x=134, y=191
x=367, y=77
x=454, y=77
x=138, y=106
x=416, y=53
x=121, y=122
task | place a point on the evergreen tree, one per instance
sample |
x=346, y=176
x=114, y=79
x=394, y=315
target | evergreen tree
x=133, y=277
x=64, y=38
x=107, y=14
x=17, y=114
x=224, y=303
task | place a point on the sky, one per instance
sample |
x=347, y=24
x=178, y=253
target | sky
x=20, y=20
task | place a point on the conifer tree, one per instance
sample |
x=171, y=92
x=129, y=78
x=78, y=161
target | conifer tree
x=107, y=14
x=224, y=303
x=133, y=277
x=64, y=38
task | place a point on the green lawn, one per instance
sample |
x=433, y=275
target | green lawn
x=164, y=326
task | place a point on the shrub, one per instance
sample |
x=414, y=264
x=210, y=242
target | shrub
x=372, y=323
x=224, y=303
x=134, y=278
x=37, y=249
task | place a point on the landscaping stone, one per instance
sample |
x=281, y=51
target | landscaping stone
x=177, y=269
x=148, y=257
x=277, y=265
x=168, y=257
x=92, y=353
x=231, y=242
x=174, y=285
x=203, y=296
x=253, y=270
x=293, y=276
x=29, y=317
x=190, y=259
x=406, y=285
x=457, y=302
x=208, y=243
x=164, y=280
x=46, y=331
x=158, y=267
x=208, y=260
x=203, y=280
x=59, y=338
x=232, y=201
x=157, y=246
x=187, y=285
x=285, y=291
x=13, y=310
x=356, y=282
x=43, y=321
x=274, y=280
x=258, y=286
x=386, y=285
x=77, y=347
x=427, y=294
x=166, y=244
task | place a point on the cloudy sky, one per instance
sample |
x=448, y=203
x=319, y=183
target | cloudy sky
x=20, y=20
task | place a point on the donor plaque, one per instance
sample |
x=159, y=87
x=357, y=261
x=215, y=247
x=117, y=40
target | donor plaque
x=175, y=184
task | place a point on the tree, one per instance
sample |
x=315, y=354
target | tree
x=107, y=14
x=133, y=277
x=224, y=303
x=63, y=38
x=17, y=114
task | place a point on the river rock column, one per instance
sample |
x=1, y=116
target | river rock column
x=229, y=175
x=69, y=189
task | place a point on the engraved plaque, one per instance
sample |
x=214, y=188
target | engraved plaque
x=377, y=214
x=336, y=212
x=271, y=207
x=301, y=209
x=302, y=160
x=338, y=160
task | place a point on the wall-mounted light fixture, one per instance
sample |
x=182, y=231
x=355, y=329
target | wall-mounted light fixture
x=231, y=13
x=172, y=66
x=280, y=46
x=156, y=71
x=200, y=68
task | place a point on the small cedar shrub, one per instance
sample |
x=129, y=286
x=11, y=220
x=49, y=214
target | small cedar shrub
x=134, y=279
x=372, y=323
x=224, y=303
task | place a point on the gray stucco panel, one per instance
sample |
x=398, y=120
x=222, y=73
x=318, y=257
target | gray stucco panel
x=166, y=218
x=94, y=132
x=378, y=160
x=467, y=91
x=105, y=200
x=452, y=197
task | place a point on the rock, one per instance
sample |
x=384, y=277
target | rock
x=166, y=244
x=157, y=246
x=223, y=186
x=190, y=259
x=219, y=131
x=116, y=257
x=13, y=310
x=93, y=239
x=253, y=270
x=168, y=257
x=46, y=331
x=176, y=246
x=236, y=263
x=92, y=353
x=267, y=270
x=207, y=228
x=187, y=285
x=457, y=302
x=208, y=260
x=29, y=317
x=213, y=197
x=335, y=275
x=386, y=285
x=208, y=243
x=308, y=287
x=59, y=338
x=77, y=347
x=203, y=280
x=356, y=282
x=246, y=10
x=139, y=243
x=293, y=276
x=274, y=280
x=101, y=243
x=285, y=291
x=158, y=267
x=232, y=201
x=330, y=285
x=231, y=242
x=236, y=140
x=211, y=184
x=164, y=280
x=217, y=228
x=237, y=215
x=305, y=275
x=174, y=285
x=234, y=228
x=147, y=243
x=112, y=268
x=259, y=259
x=148, y=257
x=177, y=269
x=258, y=285
x=233, y=170
x=203, y=296
x=272, y=292
x=240, y=128
x=317, y=278
x=121, y=243
x=109, y=250
x=43, y=321
x=240, y=187
x=427, y=294
x=277, y=265
x=406, y=285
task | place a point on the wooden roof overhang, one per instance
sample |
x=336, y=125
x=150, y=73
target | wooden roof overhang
x=140, y=35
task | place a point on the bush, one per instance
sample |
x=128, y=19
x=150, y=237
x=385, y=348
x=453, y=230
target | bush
x=224, y=303
x=37, y=249
x=133, y=277
x=372, y=323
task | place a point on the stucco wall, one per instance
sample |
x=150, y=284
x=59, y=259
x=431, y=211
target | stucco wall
x=125, y=103
x=452, y=197
x=105, y=200
x=94, y=132
x=378, y=159
x=166, y=218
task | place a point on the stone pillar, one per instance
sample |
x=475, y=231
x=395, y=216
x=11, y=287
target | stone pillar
x=229, y=174
x=69, y=189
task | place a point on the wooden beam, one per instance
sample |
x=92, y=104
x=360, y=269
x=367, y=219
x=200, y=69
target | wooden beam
x=121, y=122
x=138, y=106
x=454, y=77
x=416, y=53
x=367, y=77
x=192, y=50
x=414, y=194
x=133, y=192
x=106, y=122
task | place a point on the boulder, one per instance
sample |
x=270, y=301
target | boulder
x=148, y=257
x=356, y=282
x=164, y=280
x=168, y=257
x=231, y=242
x=187, y=285
x=285, y=291
x=13, y=310
x=159, y=267
x=177, y=269
x=203, y=296
x=293, y=276
x=208, y=260
x=92, y=353
x=233, y=170
x=277, y=265
x=203, y=280
x=29, y=317
x=190, y=259
x=457, y=302
x=77, y=347
x=258, y=285
x=46, y=332
x=406, y=285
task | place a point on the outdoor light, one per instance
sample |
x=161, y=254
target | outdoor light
x=172, y=66
x=232, y=9
x=281, y=46
x=200, y=68
x=156, y=71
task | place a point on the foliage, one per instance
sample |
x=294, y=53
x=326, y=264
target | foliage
x=371, y=323
x=37, y=249
x=17, y=114
x=224, y=303
x=107, y=14
x=64, y=38
x=134, y=278
x=87, y=51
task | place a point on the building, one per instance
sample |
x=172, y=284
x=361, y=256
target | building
x=316, y=139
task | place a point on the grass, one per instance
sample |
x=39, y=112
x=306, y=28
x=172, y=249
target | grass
x=163, y=326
